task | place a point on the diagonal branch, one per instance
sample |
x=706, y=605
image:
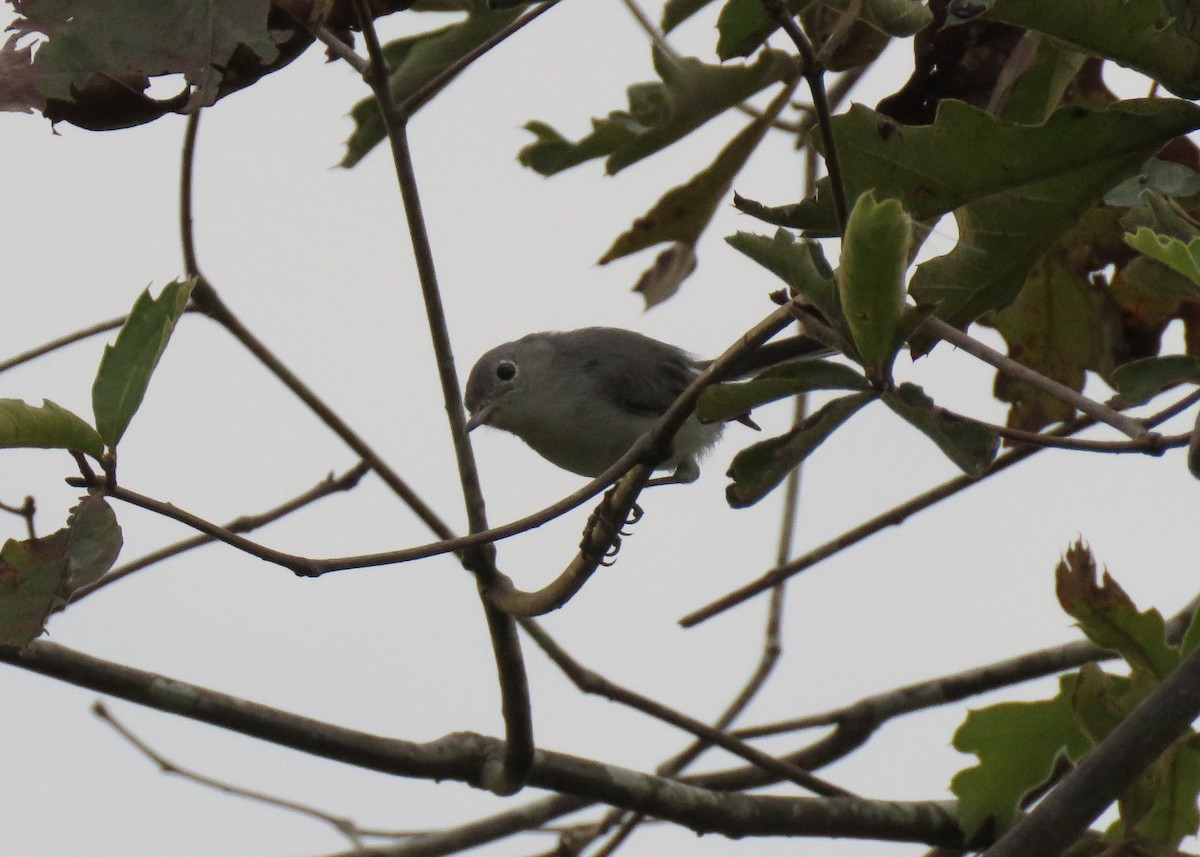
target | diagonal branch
x=589, y=681
x=1102, y=413
x=1109, y=768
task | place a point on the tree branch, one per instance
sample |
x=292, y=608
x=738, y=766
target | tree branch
x=242, y=524
x=480, y=560
x=1102, y=413
x=467, y=757
x=814, y=75
x=589, y=681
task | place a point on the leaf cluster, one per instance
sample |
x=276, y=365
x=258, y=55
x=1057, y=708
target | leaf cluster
x=1023, y=747
x=39, y=575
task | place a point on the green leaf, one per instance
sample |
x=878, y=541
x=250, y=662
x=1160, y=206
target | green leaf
x=1018, y=745
x=663, y=278
x=1179, y=257
x=871, y=280
x=31, y=574
x=1101, y=701
x=415, y=61
x=744, y=26
x=1160, y=810
x=93, y=544
x=1139, y=37
x=38, y=576
x=1161, y=213
x=675, y=12
x=1063, y=323
x=48, y=427
x=690, y=94
x=967, y=155
x=684, y=212
x=128, y=363
x=729, y=401
x=1141, y=380
x=970, y=446
x=802, y=265
x=1015, y=189
x=1110, y=619
x=1039, y=89
x=1160, y=177
x=1191, y=637
x=757, y=469
x=1174, y=814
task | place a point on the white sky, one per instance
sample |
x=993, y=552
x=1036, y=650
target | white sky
x=316, y=261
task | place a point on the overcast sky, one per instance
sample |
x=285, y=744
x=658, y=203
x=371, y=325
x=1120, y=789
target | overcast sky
x=316, y=261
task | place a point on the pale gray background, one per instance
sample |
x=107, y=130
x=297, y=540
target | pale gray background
x=316, y=260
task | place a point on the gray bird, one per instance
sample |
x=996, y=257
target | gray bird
x=582, y=398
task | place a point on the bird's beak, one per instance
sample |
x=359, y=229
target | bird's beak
x=480, y=417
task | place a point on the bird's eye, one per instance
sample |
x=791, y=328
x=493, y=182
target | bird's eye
x=506, y=370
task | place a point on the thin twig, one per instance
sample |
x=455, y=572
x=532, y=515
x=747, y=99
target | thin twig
x=892, y=517
x=344, y=826
x=591, y=682
x=27, y=510
x=340, y=49
x=514, y=685
x=948, y=332
x=530, y=818
x=898, y=514
x=187, y=180
x=878, y=708
x=61, y=342
x=847, y=18
x=443, y=78
x=299, y=565
x=243, y=524
x=814, y=75
x=1149, y=443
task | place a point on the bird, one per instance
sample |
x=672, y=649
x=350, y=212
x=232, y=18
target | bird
x=582, y=398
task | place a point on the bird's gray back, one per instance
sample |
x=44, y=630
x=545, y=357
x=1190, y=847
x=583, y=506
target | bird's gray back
x=644, y=376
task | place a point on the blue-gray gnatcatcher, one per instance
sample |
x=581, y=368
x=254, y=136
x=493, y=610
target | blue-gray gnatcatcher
x=582, y=398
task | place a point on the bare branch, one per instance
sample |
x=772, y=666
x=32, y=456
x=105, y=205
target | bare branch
x=814, y=75
x=480, y=560
x=423, y=95
x=467, y=757
x=591, y=682
x=1102, y=413
x=62, y=342
x=243, y=524
x=344, y=826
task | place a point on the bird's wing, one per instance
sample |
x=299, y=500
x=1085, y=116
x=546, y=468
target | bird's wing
x=644, y=375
